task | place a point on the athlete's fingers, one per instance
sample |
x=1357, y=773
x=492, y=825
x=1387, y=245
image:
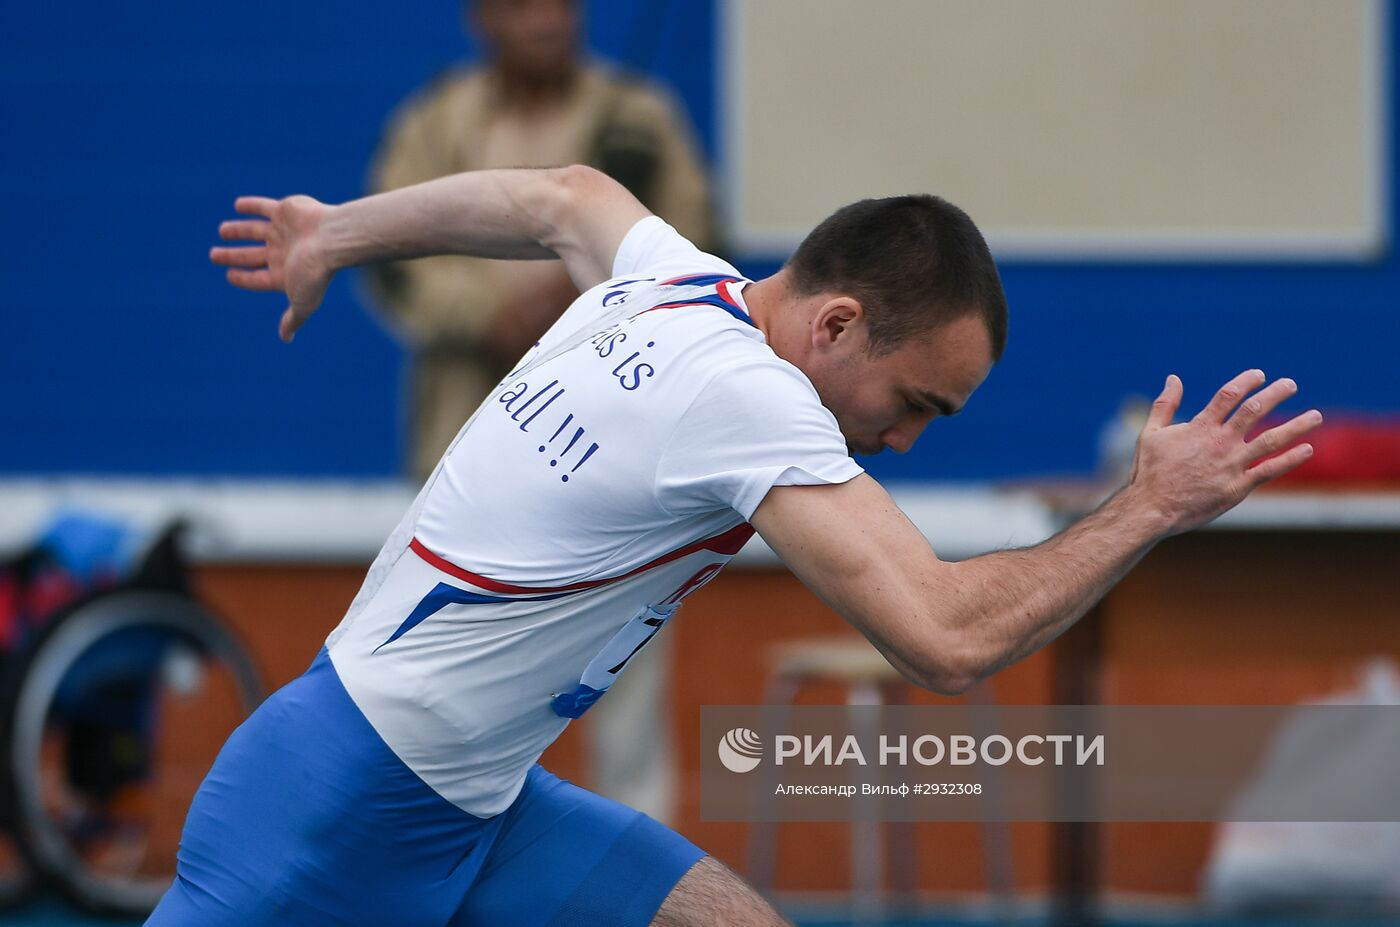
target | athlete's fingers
x=1165, y=405
x=255, y=206
x=1261, y=404
x=1230, y=396
x=239, y=257
x=1275, y=467
x=245, y=230
x=251, y=279
x=287, y=327
x=1281, y=436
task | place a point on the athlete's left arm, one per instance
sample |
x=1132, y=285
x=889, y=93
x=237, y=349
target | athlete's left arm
x=574, y=213
x=945, y=625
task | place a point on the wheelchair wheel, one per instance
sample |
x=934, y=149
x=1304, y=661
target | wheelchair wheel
x=118, y=714
x=17, y=879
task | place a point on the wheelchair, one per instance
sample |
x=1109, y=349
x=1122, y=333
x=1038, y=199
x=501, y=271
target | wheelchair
x=117, y=687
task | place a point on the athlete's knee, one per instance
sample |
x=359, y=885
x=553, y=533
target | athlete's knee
x=710, y=893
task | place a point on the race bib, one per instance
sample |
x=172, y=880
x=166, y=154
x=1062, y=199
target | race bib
x=603, y=670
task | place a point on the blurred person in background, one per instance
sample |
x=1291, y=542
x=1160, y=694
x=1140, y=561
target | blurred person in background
x=537, y=101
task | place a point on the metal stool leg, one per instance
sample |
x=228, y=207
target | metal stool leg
x=763, y=835
x=996, y=833
x=901, y=837
x=867, y=849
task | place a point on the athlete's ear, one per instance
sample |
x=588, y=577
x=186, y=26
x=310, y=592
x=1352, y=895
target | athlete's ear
x=839, y=320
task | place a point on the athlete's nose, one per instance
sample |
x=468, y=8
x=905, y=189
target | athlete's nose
x=901, y=437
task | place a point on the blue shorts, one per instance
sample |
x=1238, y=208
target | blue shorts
x=307, y=817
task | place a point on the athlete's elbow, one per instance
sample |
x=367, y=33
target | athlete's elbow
x=957, y=639
x=940, y=681
x=950, y=677
x=553, y=199
x=950, y=684
x=933, y=652
x=570, y=196
x=966, y=654
x=946, y=666
x=578, y=181
x=578, y=188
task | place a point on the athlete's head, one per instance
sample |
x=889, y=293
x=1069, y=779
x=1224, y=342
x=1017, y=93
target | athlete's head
x=913, y=262
x=905, y=316
x=530, y=40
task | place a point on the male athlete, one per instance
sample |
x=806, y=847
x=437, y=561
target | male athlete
x=673, y=406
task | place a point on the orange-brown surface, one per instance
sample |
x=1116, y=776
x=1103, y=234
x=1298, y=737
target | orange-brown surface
x=1205, y=619
x=1236, y=618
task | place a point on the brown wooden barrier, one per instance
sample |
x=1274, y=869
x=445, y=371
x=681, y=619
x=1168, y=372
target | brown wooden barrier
x=1211, y=618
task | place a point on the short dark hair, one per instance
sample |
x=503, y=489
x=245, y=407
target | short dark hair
x=914, y=262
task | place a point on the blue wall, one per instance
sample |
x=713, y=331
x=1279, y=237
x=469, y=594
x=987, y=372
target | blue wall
x=130, y=128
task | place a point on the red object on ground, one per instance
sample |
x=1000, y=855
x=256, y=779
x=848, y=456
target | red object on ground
x=1349, y=449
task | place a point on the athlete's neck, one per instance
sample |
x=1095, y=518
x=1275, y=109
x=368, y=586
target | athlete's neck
x=767, y=300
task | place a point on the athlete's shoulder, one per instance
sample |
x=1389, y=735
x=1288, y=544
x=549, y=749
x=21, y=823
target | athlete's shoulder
x=652, y=247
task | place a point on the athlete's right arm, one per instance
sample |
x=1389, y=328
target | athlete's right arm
x=945, y=625
x=574, y=213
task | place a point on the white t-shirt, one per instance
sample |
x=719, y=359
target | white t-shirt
x=606, y=479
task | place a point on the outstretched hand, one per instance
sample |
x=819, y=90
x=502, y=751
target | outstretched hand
x=287, y=254
x=1195, y=471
